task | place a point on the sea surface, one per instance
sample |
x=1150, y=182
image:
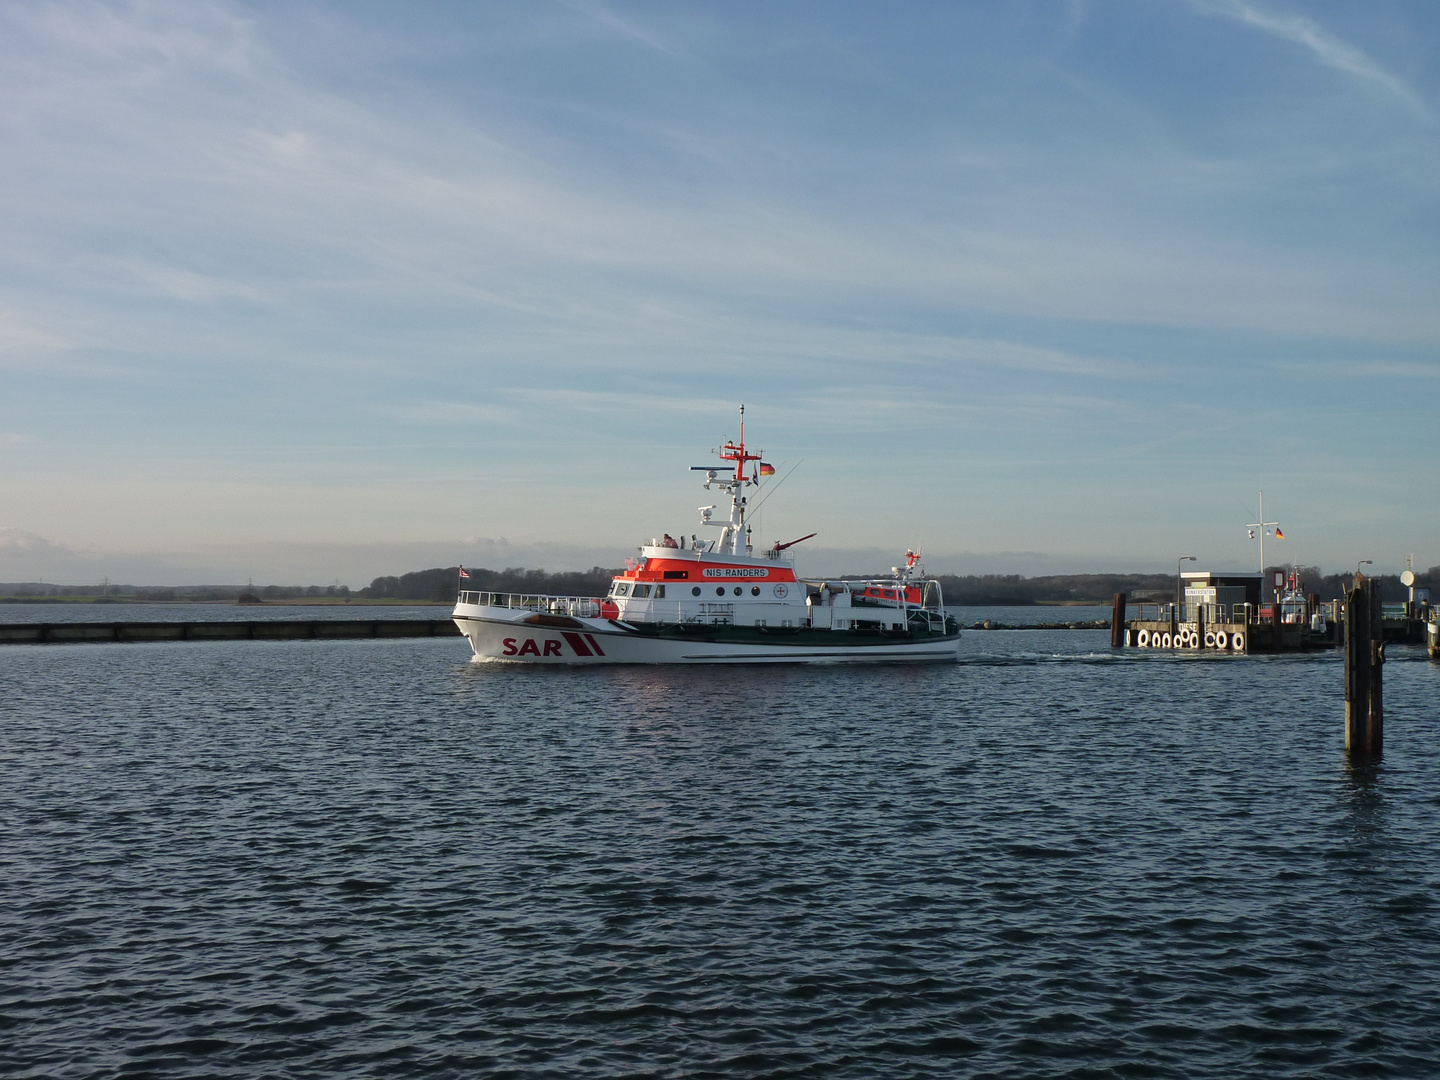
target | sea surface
x=378, y=859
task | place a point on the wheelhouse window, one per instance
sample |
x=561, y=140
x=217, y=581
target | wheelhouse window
x=640, y=590
x=622, y=588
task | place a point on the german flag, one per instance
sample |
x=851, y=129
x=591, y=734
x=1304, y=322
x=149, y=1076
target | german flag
x=766, y=469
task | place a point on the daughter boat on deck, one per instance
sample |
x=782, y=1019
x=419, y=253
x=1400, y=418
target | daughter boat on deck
x=717, y=602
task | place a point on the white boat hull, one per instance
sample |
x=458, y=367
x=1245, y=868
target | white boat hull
x=504, y=634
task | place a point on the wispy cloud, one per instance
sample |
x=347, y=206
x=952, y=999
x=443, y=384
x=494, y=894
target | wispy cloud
x=220, y=234
x=19, y=335
x=628, y=29
x=22, y=543
x=1326, y=47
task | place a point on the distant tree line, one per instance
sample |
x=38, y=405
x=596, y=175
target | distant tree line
x=442, y=585
x=39, y=592
x=1012, y=589
x=1002, y=590
x=1333, y=586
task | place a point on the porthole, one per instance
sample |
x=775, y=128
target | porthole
x=720, y=590
x=695, y=591
x=754, y=590
x=738, y=590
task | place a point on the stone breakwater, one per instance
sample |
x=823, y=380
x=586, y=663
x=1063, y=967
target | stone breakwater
x=268, y=630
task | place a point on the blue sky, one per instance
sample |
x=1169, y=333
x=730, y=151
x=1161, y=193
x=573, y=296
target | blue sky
x=306, y=292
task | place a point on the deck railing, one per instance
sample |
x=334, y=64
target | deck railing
x=1189, y=613
x=582, y=607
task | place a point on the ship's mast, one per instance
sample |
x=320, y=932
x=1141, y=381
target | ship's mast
x=733, y=528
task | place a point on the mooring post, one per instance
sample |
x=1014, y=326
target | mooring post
x=1364, y=657
x=1117, y=621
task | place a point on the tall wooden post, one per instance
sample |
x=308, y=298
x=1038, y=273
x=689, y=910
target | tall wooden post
x=1117, y=622
x=1364, y=657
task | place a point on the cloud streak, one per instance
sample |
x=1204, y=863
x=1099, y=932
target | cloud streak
x=232, y=256
x=1324, y=46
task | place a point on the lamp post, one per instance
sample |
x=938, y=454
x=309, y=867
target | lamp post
x=1362, y=562
x=1179, y=596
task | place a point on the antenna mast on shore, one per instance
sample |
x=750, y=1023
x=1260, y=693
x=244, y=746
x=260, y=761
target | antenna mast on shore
x=1263, y=526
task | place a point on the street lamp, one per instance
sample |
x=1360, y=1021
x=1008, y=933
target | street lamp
x=1362, y=562
x=1178, y=594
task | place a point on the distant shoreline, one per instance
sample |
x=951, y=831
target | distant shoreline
x=299, y=601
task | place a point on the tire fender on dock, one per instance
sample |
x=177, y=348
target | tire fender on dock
x=1142, y=639
x=1222, y=639
x=1238, y=640
x=1165, y=641
x=1209, y=639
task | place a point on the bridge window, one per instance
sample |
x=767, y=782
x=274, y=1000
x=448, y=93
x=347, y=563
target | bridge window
x=659, y=592
x=622, y=588
x=640, y=590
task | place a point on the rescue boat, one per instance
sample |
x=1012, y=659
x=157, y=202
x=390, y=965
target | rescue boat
x=718, y=601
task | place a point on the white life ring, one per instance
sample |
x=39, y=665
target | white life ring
x=1165, y=641
x=1238, y=640
x=1209, y=639
x=1222, y=639
x=1142, y=638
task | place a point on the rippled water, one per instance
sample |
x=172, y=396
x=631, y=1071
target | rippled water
x=376, y=859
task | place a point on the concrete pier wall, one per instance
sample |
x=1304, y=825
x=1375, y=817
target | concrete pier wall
x=266, y=630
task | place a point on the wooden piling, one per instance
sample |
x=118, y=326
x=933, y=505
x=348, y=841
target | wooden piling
x=1117, y=622
x=1364, y=658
